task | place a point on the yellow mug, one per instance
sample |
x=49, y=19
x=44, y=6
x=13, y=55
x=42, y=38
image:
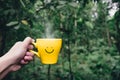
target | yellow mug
x=48, y=50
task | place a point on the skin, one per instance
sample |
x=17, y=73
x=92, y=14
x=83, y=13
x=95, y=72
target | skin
x=17, y=56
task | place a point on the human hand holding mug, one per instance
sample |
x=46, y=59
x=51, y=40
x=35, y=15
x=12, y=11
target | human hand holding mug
x=48, y=49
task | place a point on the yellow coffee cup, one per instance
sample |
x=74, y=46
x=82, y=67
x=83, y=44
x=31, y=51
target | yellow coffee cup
x=48, y=49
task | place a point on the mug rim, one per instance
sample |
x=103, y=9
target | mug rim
x=49, y=39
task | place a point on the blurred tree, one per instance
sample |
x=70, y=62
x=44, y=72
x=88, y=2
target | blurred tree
x=13, y=14
x=116, y=22
x=88, y=50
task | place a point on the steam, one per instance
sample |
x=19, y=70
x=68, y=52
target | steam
x=49, y=33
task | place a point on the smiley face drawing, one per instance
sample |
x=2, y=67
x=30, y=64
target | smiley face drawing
x=49, y=50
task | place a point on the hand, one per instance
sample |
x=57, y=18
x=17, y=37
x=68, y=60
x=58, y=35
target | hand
x=18, y=55
x=20, y=51
x=28, y=57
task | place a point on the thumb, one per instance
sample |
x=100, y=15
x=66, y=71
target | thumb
x=27, y=41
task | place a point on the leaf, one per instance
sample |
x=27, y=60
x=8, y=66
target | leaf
x=73, y=4
x=24, y=22
x=60, y=6
x=62, y=2
x=89, y=24
x=79, y=20
x=17, y=27
x=22, y=3
x=13, y=23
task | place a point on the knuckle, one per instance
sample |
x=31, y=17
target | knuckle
x=18, y=43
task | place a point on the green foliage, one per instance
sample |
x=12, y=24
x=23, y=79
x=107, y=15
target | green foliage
x=89, y=37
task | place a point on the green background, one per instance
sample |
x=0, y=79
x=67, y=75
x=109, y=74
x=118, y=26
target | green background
x=91, y=37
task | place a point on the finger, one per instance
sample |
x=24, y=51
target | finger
x=23, y=62
x=29, y=54
x=30, y=47
x=33, y=40
x=15, y=67
x=28, y=58
x=27, y=41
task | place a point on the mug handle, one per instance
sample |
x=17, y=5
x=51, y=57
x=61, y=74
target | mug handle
x=34, y=52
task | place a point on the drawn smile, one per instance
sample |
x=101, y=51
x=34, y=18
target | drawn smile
x=49, y=50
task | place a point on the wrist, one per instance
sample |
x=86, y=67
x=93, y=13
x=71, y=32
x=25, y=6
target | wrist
x=9, y=58
x=5, y=62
